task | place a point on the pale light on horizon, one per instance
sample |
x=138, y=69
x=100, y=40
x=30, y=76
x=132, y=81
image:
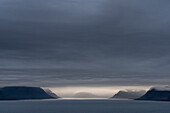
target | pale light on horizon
x=102, y=92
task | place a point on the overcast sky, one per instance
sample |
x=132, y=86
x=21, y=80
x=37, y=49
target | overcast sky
x=53, y=43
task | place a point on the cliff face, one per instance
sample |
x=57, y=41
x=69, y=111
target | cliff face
x=129, y=94
x=49, y=92
x=156, y=95
x=22, y=92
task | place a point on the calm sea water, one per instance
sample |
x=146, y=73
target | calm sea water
x=84, y=106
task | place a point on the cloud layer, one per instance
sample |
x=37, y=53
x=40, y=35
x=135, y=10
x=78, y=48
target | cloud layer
x=77, y=42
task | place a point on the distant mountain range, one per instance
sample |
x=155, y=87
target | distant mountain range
x=129, y=94
x=157, y=94
x=85, y=95
x=22, y=92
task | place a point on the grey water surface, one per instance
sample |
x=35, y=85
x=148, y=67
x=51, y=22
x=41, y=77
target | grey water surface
x=84, y=106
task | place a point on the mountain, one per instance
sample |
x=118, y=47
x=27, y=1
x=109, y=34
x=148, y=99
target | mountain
x=129, y=94
x=157, y=94
x=49, y=92
x=23, y=92
x=85, y=95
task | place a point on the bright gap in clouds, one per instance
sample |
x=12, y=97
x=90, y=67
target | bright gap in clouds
x=100, y=92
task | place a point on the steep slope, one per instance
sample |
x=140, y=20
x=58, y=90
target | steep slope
x=129, y=94
x=22, y=92
x=49, y=92
x=156, y=94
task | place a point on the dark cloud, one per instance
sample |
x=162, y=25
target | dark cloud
x=61, y=42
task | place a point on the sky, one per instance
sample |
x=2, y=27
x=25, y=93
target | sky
x=84, y=43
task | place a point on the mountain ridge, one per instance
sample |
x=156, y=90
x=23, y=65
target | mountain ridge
x=155, y=94
x=129, y=94
x=23, y=93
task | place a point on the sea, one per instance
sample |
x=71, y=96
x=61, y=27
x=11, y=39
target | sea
x=84, y=106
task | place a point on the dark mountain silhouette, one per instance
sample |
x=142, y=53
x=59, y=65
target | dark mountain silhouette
x=85, y=95
x=22, y=92
x=129, y=94
x=49, y=92
x=156, y=95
